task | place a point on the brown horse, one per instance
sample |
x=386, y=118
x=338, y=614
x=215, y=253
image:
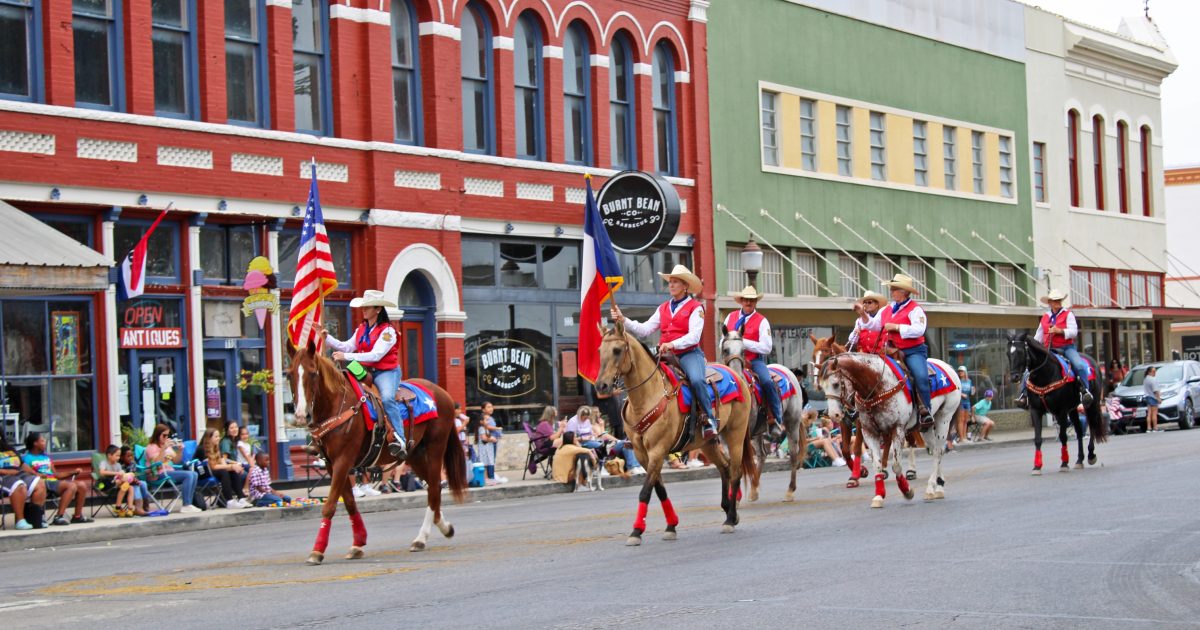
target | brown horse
x=654, y=424
x=335, y=416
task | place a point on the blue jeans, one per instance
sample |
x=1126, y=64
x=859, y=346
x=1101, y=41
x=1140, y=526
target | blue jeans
x=631, y=460
x=387, y=381
x=186, y=480
x=693, y=364
x=271, y=499
x=1077, y=362
x=770, y=392
x=917, y=360
x=140, y=491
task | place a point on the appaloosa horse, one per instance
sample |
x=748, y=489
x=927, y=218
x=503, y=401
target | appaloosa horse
x=885, y=413
x=336, y=418
x=655, y=425
x=733, y=351
x=1050, y=393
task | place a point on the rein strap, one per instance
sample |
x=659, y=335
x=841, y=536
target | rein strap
x=867, y=404
x=325, y=427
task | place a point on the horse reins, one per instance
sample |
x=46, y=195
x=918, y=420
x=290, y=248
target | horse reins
x=872, y=400
x=1039, y=390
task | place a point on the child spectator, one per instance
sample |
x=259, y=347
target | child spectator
x=488, y=440
x=981, y=410
x=230, y=474
x=19, y=484
x=65, y=485
x=245, y=450
x=572, y=462
x=258, y=484
x=141, y=492
x=818, y=439
x=114, y=476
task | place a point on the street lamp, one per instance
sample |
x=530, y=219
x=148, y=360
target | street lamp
x=752, y=260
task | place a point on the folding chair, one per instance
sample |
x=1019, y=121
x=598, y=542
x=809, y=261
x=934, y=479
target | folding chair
x=815, y=458
x=104, y=491
x=163, y=490
x=208, y=485
x=540, y=452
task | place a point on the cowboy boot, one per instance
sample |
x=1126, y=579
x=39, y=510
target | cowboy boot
x=709, y=429
x=397, y=447
x=1085, y=393
x=1022, y=400
x=925, y=421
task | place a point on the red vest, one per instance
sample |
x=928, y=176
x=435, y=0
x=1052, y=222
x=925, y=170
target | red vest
x=901, y=317
x=750, y=328
x=675, y=326
x=869, y=341
x=391, y=360
x=1060, y=320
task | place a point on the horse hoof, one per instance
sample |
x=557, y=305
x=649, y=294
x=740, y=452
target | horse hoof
x=910, y=475
x=417, y=546
x=909, y=495
x=885, y=474
x=356, y=553
x=633, y=541
x=1064, y=468
x=669, y=536
x=315, y=558
x=1037, y=472
x=788, y=498
x=877, y=502
x=929, y=496
x=939, y=494
x=1078, y=465
x=1092, y=460
x=727, y=528
x=853, y=483
x=753, y=495
x=862, y=473
x=449, y=532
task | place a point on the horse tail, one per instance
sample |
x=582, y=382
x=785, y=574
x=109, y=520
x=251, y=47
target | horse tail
x=1097, y=424
x=749, y=459
x=454, y=462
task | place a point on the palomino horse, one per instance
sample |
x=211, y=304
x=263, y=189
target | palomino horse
x=335, y=416
x=733, y=350
x=885, y=414
x=1049, y=393
x=654, y=424
x=823, y=348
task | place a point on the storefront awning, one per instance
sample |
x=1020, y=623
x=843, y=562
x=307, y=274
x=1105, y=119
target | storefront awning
x=36, y=258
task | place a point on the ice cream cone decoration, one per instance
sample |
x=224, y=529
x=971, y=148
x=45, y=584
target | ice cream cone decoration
x=260, y=280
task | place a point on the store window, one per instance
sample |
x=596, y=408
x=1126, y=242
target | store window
x=226, y=252
x=310, y=66
x=173, y=43
x=245, y=69
x=527, y=87
x=406, y=84
x=47, y=375
x=81, y=228
x=21, y=50
x=289, y=250
x=508, y=360
x=984, y=352
x=162, y=252
x=97, y=40
x=521, y=264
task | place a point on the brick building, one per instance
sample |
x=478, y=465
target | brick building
x=450, y=137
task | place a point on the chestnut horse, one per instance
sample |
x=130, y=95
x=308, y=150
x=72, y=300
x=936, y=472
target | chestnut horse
x=650, y=392
x=323, y=398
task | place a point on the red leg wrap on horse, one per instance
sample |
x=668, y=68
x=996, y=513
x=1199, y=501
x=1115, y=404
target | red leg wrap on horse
x=360, y=530
x=855, y=467
x=880, y=490
x=903, y=483
x=639, y=523
x=669, y=511
x=1066, y=456
x=322, y=536
x=1037, y=459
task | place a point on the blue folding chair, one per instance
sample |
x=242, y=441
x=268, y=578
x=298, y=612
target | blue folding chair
x=163, y=490
x=207, y=485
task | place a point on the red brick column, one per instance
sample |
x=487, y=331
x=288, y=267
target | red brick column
x=452, y=377
x=378, y=109
x=601, y=142
x=59, y=58
x=441, y=88
x=643, y=89
x=139, y=59
x=346, y=50
x=280, y=74
x=214, y=105
x=504, y=93
x=693, y=130
x=552, y=103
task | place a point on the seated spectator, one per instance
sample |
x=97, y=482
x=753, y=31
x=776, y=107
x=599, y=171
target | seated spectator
x=141, y=493
x=818, y=439
x=230, y=474
x=616, y=448
x=21, y=487
x=981, y=411
x=581, y=425
x=65, y=484
x=573, y=463
x=245, y=449
x=162, y=454
x=111, y=475
x=258, y=484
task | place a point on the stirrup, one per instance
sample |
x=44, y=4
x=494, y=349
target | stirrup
x=398, y=450
x=707, y=431
x=925, y=422
x=1022, y=401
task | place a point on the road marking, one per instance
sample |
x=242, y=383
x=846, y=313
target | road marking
x=32, y=603
x=1001, y=615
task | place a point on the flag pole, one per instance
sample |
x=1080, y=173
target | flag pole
x=612, y=295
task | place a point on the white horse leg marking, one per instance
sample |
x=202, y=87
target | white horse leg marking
x=444, y=525
x=874, y=446
x=426, y=527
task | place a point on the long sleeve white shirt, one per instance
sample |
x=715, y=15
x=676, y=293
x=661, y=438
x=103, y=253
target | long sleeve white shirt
x=907, y=331
x=765, y=343
x=858, y=326
x=1070, y=331
x=383, y=344
x=642, y=330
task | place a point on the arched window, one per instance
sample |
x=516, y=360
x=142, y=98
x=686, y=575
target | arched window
x=311, y=86
x=477, y=81
x=666, y=151
x=1123, y=166
x=577, y=106
x=1098, y=158
x=1073, y=155
x=1145, y=142
x=405, y=84
x=620, y=106
x=527, y=81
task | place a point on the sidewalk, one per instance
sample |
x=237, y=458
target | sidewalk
x=106, y=528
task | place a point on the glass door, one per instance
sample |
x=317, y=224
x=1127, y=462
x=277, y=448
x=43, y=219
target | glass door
x=157, y=391
x=412, y=360
x=220, y=388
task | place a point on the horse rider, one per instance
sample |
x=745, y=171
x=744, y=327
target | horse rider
x=862, y=340
x=375, y=346
x=756, y=336
x=681, y=321
x=1057, y=331
x=903, y=324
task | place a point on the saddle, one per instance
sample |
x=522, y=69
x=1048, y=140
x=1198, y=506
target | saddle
x=897, y=355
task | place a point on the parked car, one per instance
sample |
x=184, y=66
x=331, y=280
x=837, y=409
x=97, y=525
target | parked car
x=1179, y=384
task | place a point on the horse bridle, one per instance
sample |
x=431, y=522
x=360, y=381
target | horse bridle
x=842, y=398
x=1025, y=351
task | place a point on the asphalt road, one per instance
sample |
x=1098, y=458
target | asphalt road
x=1113, y=546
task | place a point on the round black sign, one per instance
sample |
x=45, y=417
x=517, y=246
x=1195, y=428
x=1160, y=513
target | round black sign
x=640, y=211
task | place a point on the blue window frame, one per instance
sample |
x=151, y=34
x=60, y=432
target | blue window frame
x=226, y=252
x=245, y=63
x=162, y=252
x=99, y=77
x=406, y=75
x=21, y=49
x=621, y=98
x=310, y=66
x=527, y=87
x=174, y=50
x=577, y=96
x=479, y=130
x=77, y=226
x=666, y=149
x=289, y=249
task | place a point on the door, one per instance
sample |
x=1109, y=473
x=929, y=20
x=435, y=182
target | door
x=571, y=392
x=412, y=349
x=158, y=390
x=220, y=388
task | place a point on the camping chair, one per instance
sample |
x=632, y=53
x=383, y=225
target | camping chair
x=540, y=452
x=207, y=485
x=815, y=457
x=104, y=492
x=163, y=490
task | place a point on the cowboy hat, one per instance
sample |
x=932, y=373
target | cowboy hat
x=684, y=275
x=1055, y=295
x=749, y=294
x=871, y=295
x=902, y=282
x=371, y=297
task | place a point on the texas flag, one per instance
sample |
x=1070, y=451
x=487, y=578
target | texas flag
x=133, y=268
x=601, y=277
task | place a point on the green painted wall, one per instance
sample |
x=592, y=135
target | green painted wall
x=776, y=41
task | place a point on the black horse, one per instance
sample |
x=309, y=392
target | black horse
x=1048, y=393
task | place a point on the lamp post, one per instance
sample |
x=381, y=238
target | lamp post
x=752, y=260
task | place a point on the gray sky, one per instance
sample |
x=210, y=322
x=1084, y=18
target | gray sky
x=1177, y=20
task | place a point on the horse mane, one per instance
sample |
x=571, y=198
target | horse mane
x=1036, y=345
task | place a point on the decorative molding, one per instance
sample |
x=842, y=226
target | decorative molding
x=440, y=29
x=698, y=12
x=186, y=157
x=682, y=205
x=535, y=192
x=451, y=335
x=417, y=179
x=355, y=14
x=326, y=171
x=283, y=4
x=552, y=52
x=426, y=260
x=483, y=187
x=500, y=42
x=598, y=61
x=683, y=77
x=256, y=164
x=414, y=220
x=24, y=142
x=643, y=69
x=107, y=150
x=576, y=195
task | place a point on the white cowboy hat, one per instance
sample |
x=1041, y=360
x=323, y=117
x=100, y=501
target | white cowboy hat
x=686, y=276
x=902, y=282
x=371, y=297
x=1055, y=295
x=748, y=294
x=871, y=295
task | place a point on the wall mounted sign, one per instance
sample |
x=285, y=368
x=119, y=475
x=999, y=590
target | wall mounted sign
x=150, y=324
x=1191, y=347
x=505, y=368
x=640, y=211
x=260, y=279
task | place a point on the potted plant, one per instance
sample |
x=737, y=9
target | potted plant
x=257, y=382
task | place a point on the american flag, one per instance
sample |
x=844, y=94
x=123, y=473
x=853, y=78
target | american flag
x=315, y=277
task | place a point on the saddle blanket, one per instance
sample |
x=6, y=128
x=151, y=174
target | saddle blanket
x=786, y=390
x=726, y=388
x=1069, y=372
x=939, y=380
x=424, y=407
x=371, y=415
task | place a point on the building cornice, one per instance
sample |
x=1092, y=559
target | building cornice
x=1184, y=176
